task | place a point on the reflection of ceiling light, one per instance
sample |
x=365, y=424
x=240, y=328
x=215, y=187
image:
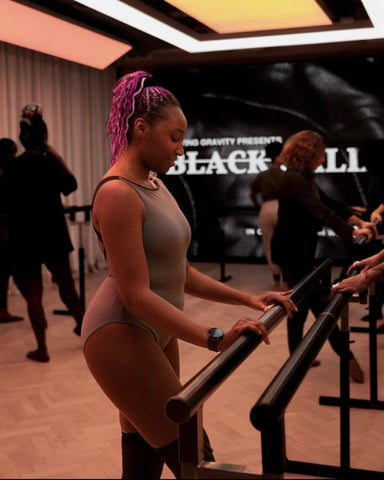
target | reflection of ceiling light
x=30, y=28
x=234, y=16
x=137, y=19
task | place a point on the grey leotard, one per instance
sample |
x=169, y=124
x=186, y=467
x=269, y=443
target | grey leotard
x=166, y=237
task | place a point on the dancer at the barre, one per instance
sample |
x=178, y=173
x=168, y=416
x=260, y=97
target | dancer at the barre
x=302, y=211
x=38, y=230
x=8, y=151
x=371, y=271
x=132, y=324
x=371, y=154
x=267, y=185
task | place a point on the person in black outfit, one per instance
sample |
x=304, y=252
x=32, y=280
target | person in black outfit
x=302, y=211
x=8, y=150
x=38, y=230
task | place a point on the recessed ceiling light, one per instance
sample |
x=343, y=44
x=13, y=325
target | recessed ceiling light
x=29, y=28
x=132, y=16
x=234, y=16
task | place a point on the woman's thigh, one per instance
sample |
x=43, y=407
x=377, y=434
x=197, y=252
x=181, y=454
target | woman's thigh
x=137, y=377
x=171, y=351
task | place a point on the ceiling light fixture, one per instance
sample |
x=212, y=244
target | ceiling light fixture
x=29, y=28
x=235, y=16
x=135, y=18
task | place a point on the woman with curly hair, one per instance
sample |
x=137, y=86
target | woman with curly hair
x=303, y=210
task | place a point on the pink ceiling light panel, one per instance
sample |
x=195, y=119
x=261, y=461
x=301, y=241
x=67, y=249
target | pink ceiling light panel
x=234, y=16
x=30, y=28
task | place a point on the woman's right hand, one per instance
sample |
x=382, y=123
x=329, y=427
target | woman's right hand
x=376, y=215
x=364, y=264
x=239, y=328
x=363, y=232
x=357, y=283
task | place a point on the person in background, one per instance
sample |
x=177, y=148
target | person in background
x=132, y=325
x=8, y=150
x=371, y=156
x=302, y=211
x=38, y=229
x=371, y=271
x=267, y=185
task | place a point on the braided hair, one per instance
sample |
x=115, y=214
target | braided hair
x=135, y=95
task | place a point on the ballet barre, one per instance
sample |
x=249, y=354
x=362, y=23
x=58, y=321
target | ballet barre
x=267, y=415
x=186, y=407
x=72, y=211
x=373, y=402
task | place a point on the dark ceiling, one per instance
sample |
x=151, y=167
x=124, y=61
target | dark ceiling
x=149, y=51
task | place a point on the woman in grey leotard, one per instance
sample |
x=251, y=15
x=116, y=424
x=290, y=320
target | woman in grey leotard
x=132, y=324
x=166, y=236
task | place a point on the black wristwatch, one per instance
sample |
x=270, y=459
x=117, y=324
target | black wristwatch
x=214, y=337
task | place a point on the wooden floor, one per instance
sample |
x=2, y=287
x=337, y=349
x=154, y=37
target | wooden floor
x=56, y=423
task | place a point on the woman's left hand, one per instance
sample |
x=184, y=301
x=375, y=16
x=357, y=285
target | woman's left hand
x=354, y=284
x=359, y=282
x=268, y=300
x=370, y=226
x=367, y=233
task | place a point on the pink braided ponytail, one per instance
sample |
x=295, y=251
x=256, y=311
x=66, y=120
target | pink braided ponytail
x=132, y=99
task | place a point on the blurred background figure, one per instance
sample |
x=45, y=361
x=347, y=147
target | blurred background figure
x=8, y=150
x=264, y=192
x=38, y=229
x=371, y=156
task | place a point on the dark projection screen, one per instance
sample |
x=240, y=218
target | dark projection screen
x=233, y=112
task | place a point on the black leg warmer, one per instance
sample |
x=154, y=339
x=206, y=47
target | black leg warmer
x=140, y=459
x=170, y=454
x=207, y=449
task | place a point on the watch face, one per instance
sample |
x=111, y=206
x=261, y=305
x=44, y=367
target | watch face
x=216, y=333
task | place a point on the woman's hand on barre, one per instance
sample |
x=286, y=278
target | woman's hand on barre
x=368, y=233
x=243, y=325
x=268, y=300
x=377, y=214
x=366, y=263
x=354, y=284
x=371, y=226
x=371, y=272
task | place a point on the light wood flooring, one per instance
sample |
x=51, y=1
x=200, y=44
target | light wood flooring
x=56, y=423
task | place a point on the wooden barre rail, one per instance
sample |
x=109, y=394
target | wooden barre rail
x=267, y=415
x=275, y=399
x=73, y=209
x=279, y=392
x=181, y=406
